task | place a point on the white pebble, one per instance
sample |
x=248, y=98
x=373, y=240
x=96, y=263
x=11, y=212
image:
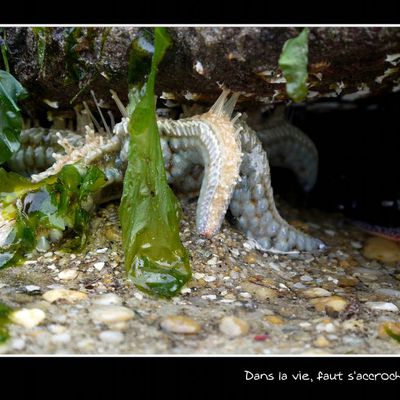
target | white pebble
x=111, y=336
x=68, y=274
x=28, y=317
x=381, y=306
x=65, y=294
x=99, y=265
x=186, y=290
x=111, y=314
x=233, y=326
x=103, y=250
x=246, y=295
x=138, y=295
x=210, y=278
x=52, y=267
x=18, y=344
x=61, y=338
x=198, y=275
x=209, y=297
x=32, y=288
x=107, y=300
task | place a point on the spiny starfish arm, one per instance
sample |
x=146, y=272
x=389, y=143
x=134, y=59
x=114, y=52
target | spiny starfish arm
x=221, y=171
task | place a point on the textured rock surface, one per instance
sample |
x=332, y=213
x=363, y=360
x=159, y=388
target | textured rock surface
x=342, y=61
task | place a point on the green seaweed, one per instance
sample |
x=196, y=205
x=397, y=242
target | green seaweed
x=10, y=117
x=294, y=63
x=73, y=63
x=4, y=49
x=155, y=258
x=59, y=203
x=5, y=312
x=41, y=34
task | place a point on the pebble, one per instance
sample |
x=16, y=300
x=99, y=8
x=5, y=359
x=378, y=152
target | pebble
x=18, y=344
x=180, y=324
x=258, y=291
x=28, y=317
x=209, y=278
x=68, y=274
x=394, y=327
x=378, y=248
x=102, y=251
x=32, y=288
x=209, y=297
x=316, y=292
x=273, y=319
x=107, y=300
x=111, y=336
x=233, y=326
x=306, y=278
x=99, y=265
x=65, y=294
x=57, y=329
x=348, y=281
x=335, y=303
x=389, y=292
x=110, y=314
x=321, y=341
x=381, y=306
x=61, y=338
x=251, y=258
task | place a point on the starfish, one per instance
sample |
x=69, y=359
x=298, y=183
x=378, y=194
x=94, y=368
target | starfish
x=214, y=154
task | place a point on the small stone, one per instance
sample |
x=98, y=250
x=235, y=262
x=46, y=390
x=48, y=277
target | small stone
x=389, y=292
x=61, y=338
x=99, y=265
x=198, y=275
x=321, y=341
x=273, y=319
x=315, y=292
x=138, y=295
x=209, y=297
x=378, y=248
x=102, y=251
x=107, y=300
x=57, y=329
x=65, y=294
x=245, y=295
x=32, y=288
x=258, y=291
x=110, y=314
x=180, y=324
x=112, y=234
x=68, y=274
x=233, y=326
x=251, y=258
x=111, y=336
x=306, y=278
x=28, y=317
x=348, y=281
x=209, y=278
x=18, y=344
x=394, y=327
x=381, y=306
x=335, y=303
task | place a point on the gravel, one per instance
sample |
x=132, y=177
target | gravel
x=240, y=301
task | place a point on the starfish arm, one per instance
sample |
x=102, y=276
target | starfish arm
x=287, y=146
x=220, y=171
x=253, y=203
